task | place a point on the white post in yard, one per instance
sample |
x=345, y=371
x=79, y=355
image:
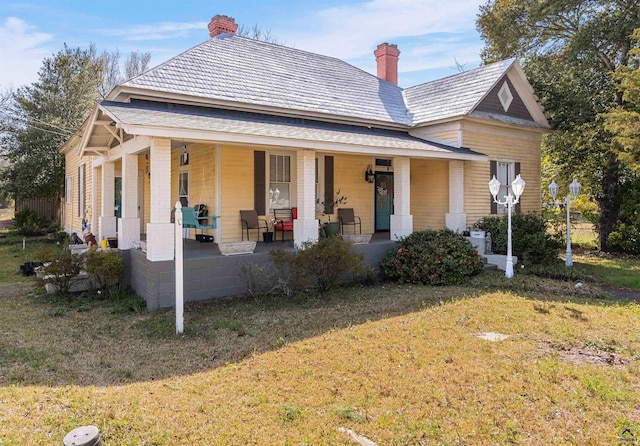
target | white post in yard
x=179, y=261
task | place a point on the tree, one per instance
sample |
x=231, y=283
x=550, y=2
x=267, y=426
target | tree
x=37, y=119
x=623, y=121
x=42, y=116
x=571, y=50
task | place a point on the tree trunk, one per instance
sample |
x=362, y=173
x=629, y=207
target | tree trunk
x=609, y=204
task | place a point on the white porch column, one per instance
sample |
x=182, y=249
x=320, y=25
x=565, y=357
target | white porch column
x=107, y=224
x=129, y=224
x=95, y=212
x=401, y=220
x=160, y=233
x=305, y=227
x=456, y=219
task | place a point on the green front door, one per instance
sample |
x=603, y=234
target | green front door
x=383, y=200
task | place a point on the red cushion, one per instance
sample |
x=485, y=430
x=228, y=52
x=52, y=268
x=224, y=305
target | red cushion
x=284, y=226
x=294, y=212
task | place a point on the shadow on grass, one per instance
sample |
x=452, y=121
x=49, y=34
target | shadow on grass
x=85, y=343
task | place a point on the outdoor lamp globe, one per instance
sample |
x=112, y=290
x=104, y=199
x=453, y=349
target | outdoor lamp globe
x=553, y=189
x=574, y=188
x=518, y=186
x=494, y=187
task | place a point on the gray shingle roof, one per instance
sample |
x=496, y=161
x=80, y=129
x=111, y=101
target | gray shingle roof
x=180, y=117
x=454, y=95
x=237, y=69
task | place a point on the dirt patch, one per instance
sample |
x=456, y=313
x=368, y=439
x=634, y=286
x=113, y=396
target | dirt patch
x=585, y=355
x=622, y=293
x=14, y=289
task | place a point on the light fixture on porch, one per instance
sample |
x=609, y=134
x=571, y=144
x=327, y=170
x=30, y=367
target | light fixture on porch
x=368, y=174
x=184, y=156
x=517, y=187
x=574, y=190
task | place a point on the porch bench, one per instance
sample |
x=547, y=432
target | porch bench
x=190, y=220
x=284, y=220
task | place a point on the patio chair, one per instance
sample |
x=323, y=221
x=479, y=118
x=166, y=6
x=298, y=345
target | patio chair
x=346, y=217
x=250, y=220
x=284, y=220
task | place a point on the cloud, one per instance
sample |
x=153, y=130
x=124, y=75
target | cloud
x=21, y=52
x=156, y=31
x=350, y=31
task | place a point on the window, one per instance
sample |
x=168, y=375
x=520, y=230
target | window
x=68, y=189
x=505, y=96
x=279, y=181
x=183, y=188
x=81, y=190
x=505, y=173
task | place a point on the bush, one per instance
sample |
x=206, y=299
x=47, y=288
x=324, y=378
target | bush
x=29, y=223
x=265, y=280
x=318, y=265
x=62, y=270
x=530, y=240
x=432, y=258
x=103, y=266
x=625, y=237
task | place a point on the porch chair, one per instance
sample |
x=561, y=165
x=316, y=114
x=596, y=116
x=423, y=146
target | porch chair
x=250, y=220
x=191, y=220
x=284, y=220
x=347, y=218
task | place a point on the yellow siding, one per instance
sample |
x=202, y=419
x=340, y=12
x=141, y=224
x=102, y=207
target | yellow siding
x=349, y=180
x=237, y=189
x=517, y=146
x=72, y=222
x=429, y=193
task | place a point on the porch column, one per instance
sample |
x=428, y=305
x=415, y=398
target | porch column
x=160, y=233
x=456, y=219
x=95, y=212
x=129, y=224
x=401, y=221
x=305, y=227
x=107, y=223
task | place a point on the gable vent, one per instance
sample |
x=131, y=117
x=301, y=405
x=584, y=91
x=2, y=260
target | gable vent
x=505, y=96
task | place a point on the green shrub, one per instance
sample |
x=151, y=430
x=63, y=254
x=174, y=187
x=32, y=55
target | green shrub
x=433, y=258
x=103, y=266
x=318, y=265
x=29, y=223
x=530, y=240
x=626, y=237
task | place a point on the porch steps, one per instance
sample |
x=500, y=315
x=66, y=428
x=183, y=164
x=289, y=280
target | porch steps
x=488, y=266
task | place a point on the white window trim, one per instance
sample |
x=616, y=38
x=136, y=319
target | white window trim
x=505, y=183
x=68, y=189
x=82, y=189
x=292, y=177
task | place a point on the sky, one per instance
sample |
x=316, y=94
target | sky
x=435, y=37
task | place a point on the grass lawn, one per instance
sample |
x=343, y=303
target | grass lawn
x=395, y=364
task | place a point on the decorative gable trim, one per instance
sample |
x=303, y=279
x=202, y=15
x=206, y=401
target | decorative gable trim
x=505, y=96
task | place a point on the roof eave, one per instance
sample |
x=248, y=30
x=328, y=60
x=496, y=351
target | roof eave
x=125, y=94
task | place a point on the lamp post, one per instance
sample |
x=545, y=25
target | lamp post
x=574, y=190
x=510, y=200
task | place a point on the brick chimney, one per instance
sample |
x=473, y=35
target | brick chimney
x=222, y=24
x=387, y=58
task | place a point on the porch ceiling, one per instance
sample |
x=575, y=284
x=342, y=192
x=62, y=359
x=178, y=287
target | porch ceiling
x=210, y=124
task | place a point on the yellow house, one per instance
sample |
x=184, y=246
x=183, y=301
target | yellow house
x=239, y=124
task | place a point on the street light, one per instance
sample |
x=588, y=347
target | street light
x=574, y=190
x=517, y=187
